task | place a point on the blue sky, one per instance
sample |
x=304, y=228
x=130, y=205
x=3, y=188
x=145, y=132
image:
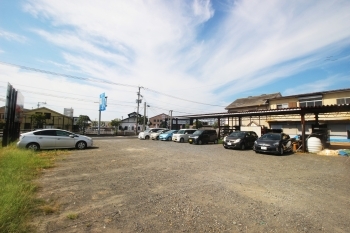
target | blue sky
x=204, y=53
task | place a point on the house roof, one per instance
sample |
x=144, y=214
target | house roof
x=26, y=111
x=253, y=101
x=314, y=93
x=160, y=115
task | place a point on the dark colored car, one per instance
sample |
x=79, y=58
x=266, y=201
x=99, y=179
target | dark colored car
x=277, y=143
x=240, y=140
x=203, y=137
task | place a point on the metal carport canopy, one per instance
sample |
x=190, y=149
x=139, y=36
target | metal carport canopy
x=284, y=111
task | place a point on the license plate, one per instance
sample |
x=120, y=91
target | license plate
x=229, y=143
x=264, y=148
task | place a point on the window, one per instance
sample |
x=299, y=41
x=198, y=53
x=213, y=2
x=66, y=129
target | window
x=62, y=133
x=47, y=115
x=279, y=106
x=311, y=101
x=46, y=133
x=345, y=100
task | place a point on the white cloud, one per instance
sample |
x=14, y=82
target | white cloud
x=162, y=45
x=11, y=36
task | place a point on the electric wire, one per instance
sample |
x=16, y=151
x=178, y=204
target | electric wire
x=102, y=81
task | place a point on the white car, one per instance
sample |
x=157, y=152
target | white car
x=147, y=133
x=155, y=135
x=182, y=135
x=53, y=139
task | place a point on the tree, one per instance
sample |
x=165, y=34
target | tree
x=140, y=120
x=197, y=125
x=163, y=124
x=215, y=125
x=39, y=120
x=115, y=123
x=83, y=122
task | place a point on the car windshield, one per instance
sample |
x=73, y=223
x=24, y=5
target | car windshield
x=172, y=131
x=197, y=132
x=237, y=134
x=271, y=137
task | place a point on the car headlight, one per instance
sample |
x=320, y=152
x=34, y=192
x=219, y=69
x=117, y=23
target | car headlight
x=237, y=140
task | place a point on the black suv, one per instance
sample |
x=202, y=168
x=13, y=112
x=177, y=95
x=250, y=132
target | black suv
x=240, y=140
x=203, y=136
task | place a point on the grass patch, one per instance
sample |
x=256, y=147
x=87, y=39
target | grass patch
x=18, y=170
x=72, y=216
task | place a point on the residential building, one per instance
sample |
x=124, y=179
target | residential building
x=158, y=119
x=250, y=103
x=338, y=123
x=129, y=124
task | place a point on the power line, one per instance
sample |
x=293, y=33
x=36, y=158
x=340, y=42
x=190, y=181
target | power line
x=102, y=81
x=66, y=75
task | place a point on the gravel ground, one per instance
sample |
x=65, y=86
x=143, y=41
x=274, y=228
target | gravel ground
x=131, y=185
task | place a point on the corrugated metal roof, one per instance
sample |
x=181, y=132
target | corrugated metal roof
x=282, y=111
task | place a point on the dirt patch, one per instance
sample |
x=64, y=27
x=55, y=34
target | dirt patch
x=129, y=185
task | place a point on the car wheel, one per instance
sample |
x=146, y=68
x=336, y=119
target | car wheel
x=81, y=145
x=182, y=140
x=242, y=146
x=200, y=142
x=215, y=141
x=147, y=137
x=33, y=146
x=281, y=151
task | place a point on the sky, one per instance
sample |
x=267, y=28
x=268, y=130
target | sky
x=185, y=56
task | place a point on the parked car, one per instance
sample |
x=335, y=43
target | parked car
x=155, y=135
x=182, y=135
x=147, y=133
x=53, y=139
x=167, y=136
x=203, y=136
x=240, y=140
x=278, y=143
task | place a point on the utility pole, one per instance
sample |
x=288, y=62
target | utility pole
x=144, y=116
x=138, y=101
x=171, y=119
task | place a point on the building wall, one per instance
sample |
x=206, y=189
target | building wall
x=157, y=120
x=331, y=98
x=54, y=120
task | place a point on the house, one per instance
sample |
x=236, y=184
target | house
x=129, y=124
x=338, y=123
x=52, y=119
x=251, y=103
x=158, y=119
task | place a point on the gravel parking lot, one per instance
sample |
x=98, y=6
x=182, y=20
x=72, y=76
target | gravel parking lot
x=131, y=185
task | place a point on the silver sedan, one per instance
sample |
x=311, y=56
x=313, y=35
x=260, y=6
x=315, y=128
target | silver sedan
x=53, y=139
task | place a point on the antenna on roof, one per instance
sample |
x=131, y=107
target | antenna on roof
x=41, y=103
